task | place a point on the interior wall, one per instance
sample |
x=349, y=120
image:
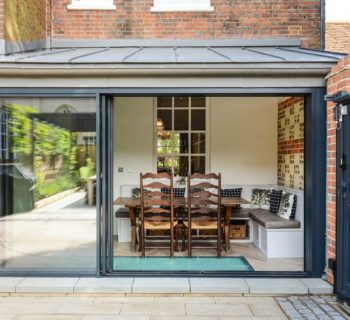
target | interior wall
x=291, y=143
x=243, y=141
x=133, y=139
x=242, y=131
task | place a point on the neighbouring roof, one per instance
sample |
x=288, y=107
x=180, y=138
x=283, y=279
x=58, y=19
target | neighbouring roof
x=160, y=54
x=338, y=36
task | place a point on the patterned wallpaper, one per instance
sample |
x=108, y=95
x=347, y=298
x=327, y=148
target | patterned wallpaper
x=291, y=143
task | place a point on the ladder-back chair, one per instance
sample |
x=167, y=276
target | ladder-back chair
x=204, y=207
x=157, y=207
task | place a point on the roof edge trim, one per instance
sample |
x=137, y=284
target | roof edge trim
x=96, y=43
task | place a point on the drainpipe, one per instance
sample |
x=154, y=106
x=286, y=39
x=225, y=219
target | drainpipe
x=323, y=24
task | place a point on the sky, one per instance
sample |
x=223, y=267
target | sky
x=338, y=10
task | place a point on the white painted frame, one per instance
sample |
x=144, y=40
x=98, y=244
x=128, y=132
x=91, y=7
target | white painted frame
x=207, y=109
x=182, y=6
x=91, y=5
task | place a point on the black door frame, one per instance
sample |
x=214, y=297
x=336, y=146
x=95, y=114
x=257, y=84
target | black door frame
x=341, y=99
x=315, y=168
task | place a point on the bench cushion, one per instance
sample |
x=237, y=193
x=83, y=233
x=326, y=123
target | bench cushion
x=240, y=213
x=272, y=221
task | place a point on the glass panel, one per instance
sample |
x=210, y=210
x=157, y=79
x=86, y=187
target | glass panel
x=48, y=178
x=198, y=120
x=198, y=102
x=197, y=164
x=181, y=120
x=168, y=143
x=181, y=102
x=164, y=102
x=181, y=166
x=198, y=142
x=164, y=164
x=164, y=120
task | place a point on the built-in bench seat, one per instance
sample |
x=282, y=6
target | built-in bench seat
x=269, y=220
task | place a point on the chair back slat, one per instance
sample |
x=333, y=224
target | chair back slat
x=207, y=176
x=150, y=175
x=157, y=210
x=155, y=185
x=203, y=185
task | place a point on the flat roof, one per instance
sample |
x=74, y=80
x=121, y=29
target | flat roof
x=226, y=55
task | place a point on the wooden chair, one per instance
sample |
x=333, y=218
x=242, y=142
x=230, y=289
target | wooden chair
x=157, y=207
x=204, y=207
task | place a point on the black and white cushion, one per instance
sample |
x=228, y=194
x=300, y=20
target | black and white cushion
x=260, y=199
x=178, y=192
x=288, y=206
x=231, y=193
x=275, y=199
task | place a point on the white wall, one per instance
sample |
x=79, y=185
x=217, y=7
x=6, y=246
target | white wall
x=244, y=139
x=133, y=139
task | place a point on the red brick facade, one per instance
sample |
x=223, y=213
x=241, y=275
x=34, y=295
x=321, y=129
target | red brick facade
x=339, y=79
x=133, y=19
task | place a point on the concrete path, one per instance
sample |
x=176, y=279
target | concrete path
x=148, y=307
x=180, y=286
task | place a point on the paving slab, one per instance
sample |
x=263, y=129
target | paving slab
x=104, y=285
x=118, y=317
x=276, y=286
x=161, y=285
x=47, y=317
x=160, y=309
x=8, y=284
x=218, y=285
x=266, y=310
x=255, y=318
x=49, y=285
x=85, y=309
x=188, y=299
x=318, y=286
x=28, y=308
x=217, y=310
x=183, y=318
x=244, y=300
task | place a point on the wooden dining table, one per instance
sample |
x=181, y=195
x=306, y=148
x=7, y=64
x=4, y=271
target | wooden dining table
x=134, y=203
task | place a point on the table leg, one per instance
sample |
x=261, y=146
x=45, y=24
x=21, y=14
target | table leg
x=133, y=228
x=228, y=212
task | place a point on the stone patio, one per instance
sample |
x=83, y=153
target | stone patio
x=154, y=285
x=149, y=307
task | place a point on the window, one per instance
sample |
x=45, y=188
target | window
x=181, y=5
x=181, y=135
x=91, y=5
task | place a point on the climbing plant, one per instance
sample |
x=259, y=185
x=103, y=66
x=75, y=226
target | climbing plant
x=45, y=144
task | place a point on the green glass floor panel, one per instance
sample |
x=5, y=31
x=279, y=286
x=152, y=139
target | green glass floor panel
x=181, y=264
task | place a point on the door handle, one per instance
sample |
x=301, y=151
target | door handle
x=345, y=185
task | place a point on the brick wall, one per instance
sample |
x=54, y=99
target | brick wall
x=291, y=143
x=338, y=37
x=231, y=19
x=338, y=79
x=25, y=20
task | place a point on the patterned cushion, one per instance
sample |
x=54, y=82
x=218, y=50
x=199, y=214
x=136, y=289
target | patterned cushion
x=288, y=206
x=261, y=199
x=136, y=192
x=231, y=193
x=275, y=199
x=178, y=192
